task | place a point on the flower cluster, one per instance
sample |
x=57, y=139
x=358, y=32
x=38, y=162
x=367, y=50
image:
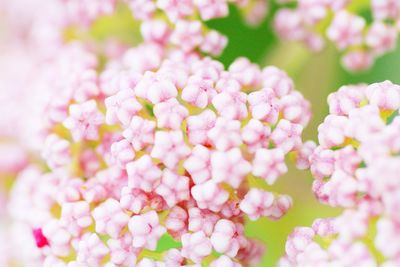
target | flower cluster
x=343, y=23
x=28, y=25
x=160, y=143
x=157, y=155
x=180, y=23
x=64, y=118
x=356, y=166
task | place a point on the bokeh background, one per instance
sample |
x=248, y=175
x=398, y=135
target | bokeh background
x=315, y=75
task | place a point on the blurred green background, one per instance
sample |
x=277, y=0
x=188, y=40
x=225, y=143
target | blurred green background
x=315, y=75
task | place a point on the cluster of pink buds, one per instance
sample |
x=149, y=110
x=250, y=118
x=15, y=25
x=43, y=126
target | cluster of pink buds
x=357, y=167
x=343, y=24
x=159, y=144
x=181, y=22
x=157, y=155
x=83, y=13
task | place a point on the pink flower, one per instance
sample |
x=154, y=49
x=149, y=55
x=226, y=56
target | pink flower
x=214, y=43
x=170, y=114
x=84, y=120
x=324, y=227
x=86, y=12
x=231, y=209
x=133, y=199
x=208, y=69
x=94, y=191
x=156, y=31
x=257, y=12
x=143, y=59
x=225, y=134
x=229, y=167
x=140, y=132
x=198, y=164
x=121, y=251
x=14, y=158
x=289, y=24
x=175, y=71
x=75, y=217
x=56, y=151
x=227, y=83
x=385, y=240
x=245, y=72
x=146, y=230
x=115, y=79
x=226, y=238
x=282, y=204
x=251, y=253
x=332, y=131
x=198, y=91
x=157, y=202
x=202, y=220
x=341, y=190
x=269, y=164
x=255, y=134
x=89, y=162
x=211, y=9
x=346, y=99
x=196, y=246
x=122, y=152
x=350, y=225
x=277, y=80
x=231, y=105
x=357, y=60
x=295, y=108
x=173, y=257
x=121, y=107
x=298, y=241
x=381, y=38
x=287, y=135
x=209, y=196
x=146, y=262
x=314, y=42
x=176, y=222
x=303, y=160
x=385, y=9
x=176, y=9
x=142, y=9
x=346, y=29
x=322, y=163
x=91, y=250
x=173, y=188
x=155, y=88
x=364, y=122
x=338, y=5
x=347, y=160
x=187, y=35
x=224, y=261
x=314, y=10
x=170, y=148
x=264, y=105
x=58, y=238
x=53, y=261
x=385, y=95
x=257, y=203
x=348, y=254
x=143, y=174
x=198, y=127
x=110, y=218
